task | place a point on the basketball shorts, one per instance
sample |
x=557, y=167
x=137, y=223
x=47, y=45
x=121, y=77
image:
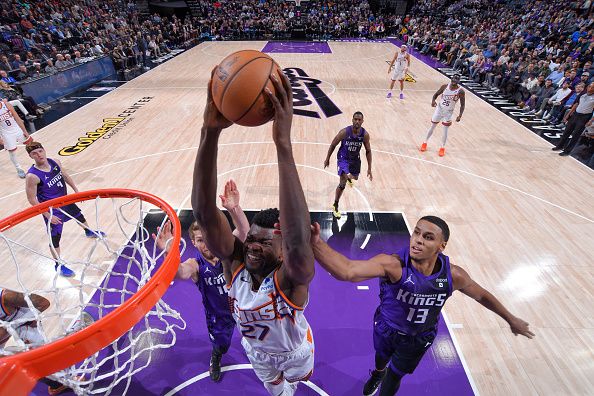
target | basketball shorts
x=72, y=211
x=403, y=350
x=27, y=331
x=398, y=74
x=12, y=139
x=442, y=115
x=220, y=332
x=352, y=167
x=293, y=366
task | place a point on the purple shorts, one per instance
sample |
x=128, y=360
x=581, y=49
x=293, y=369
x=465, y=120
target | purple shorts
x=352, y=167
x=403, y=350
x=72, y=211
x=220, y=331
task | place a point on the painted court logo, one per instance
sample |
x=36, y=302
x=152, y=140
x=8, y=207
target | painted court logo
x=109, y=128
x=306, y=90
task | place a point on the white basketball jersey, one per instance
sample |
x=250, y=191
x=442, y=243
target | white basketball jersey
x=266, y=318
x=449, y=97
x=8, y=124
x=401, y=61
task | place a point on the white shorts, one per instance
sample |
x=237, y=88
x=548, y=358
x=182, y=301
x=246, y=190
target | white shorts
x=398, y=74
x=12, y=139
x=27, y=328
x=442, y=115
x=293, y=366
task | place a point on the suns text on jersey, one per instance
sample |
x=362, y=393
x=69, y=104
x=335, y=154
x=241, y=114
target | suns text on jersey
x=276, y=308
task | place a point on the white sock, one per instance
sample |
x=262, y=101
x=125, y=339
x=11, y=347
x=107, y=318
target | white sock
x=13, y=159
x=445, y=135
x=430, y=131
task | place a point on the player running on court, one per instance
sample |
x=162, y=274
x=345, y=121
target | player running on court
x=12, y=132
x=268, y=275
x=351, y=139
x=444, y=110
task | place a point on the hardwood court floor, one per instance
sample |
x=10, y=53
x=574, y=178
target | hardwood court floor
x=521, y=216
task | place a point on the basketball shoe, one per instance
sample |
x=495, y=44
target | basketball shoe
x=335, y=211
x=389, y=95
x=442, y=151
x=373, y=382
x=423, y=146
x=215, y=366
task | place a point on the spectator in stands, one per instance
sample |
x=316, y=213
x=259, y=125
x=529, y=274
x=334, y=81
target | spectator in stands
x=68, y=60
x=577, y=118
x=50, y=68
x=22, y=74
x=558, y=97
x=60, y=62
x=17, y=62
x=6, y=78
x=78, y=57
x=6, y=91
x=559, y=112
x=4, y=63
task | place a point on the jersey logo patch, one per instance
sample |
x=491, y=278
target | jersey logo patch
x=409, y=280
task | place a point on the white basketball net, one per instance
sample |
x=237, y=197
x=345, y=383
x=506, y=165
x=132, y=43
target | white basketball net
x=109, y=270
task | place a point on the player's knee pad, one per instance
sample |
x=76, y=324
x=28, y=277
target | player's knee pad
x=342, y=185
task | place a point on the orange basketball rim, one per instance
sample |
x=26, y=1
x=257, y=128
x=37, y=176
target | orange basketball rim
x=20, y=372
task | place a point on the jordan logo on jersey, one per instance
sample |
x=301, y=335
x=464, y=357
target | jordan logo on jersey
x=409, y=280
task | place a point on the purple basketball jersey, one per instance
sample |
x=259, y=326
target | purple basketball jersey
x=211, y=283
x=51, y=184
x=350, y=146
x=412, y=305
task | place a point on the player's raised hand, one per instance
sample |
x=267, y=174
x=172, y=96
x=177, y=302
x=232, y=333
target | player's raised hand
x=213, y=119
x=519, y=326
x=283, y=109
x=164, y=236
x=230, y=196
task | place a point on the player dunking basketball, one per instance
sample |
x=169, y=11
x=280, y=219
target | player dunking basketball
x=47, y=180
x=206, y=271
x=444, y=110
x=415, y=283
x=12, y=131
x=401, y=66
x=351, y=139
x=268, y=275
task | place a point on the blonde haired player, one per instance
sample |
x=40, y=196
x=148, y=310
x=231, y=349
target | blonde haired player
x=402, y=60
x=13, y=132
x=444, y=110
x=268, y=275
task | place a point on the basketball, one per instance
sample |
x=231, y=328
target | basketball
x=238, y=87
